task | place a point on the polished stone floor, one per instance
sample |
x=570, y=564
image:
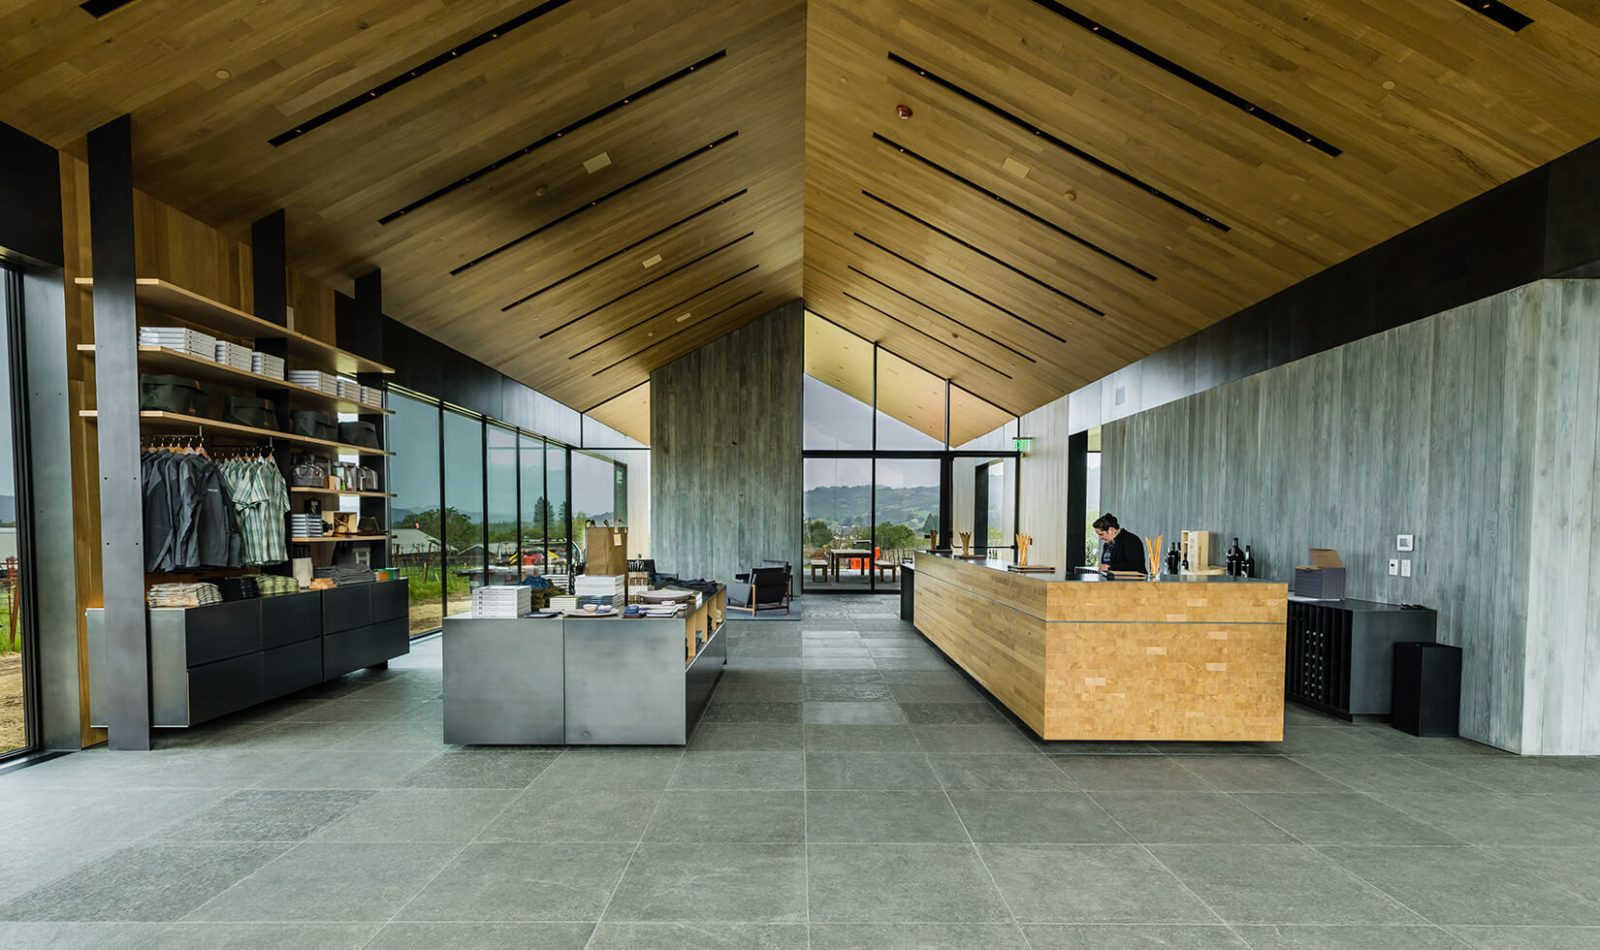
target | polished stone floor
x=846, y=789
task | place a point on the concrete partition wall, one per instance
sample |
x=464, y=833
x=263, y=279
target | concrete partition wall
x=1473, y=430
x=725, y=450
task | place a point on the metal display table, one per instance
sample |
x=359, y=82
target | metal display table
x=579, y=680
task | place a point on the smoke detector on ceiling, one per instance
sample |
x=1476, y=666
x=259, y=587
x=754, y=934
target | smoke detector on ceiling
x=903, y=111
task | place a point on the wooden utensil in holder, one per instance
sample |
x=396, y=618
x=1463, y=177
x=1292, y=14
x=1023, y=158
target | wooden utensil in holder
x=1023, y=541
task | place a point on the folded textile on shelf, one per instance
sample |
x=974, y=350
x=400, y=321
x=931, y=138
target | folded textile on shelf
x=182, y=595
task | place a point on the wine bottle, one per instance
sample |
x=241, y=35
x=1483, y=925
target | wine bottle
x=1235, y=559
x=1172, y=559
x=1249, y=562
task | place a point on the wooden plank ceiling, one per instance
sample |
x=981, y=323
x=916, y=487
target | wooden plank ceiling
x=579, y=191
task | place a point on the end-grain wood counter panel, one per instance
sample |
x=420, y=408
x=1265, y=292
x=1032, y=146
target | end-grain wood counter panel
x=1081, y=658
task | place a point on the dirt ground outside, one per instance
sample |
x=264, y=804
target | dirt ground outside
x=11, y=734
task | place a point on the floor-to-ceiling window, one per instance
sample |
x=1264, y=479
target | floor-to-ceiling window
x=18, y=731
x=417, y=543
x=594, y=494
x=535, y=506
x=558, y=546
x=501, y=481
x=465, y=547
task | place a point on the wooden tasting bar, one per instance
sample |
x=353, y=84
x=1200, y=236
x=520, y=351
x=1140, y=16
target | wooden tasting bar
x=1080, y=657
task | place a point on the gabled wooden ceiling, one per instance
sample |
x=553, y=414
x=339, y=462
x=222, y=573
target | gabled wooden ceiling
x=578, y=191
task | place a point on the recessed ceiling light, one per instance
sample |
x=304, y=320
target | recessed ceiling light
x=1070, y=195
x=1388, y=84
x=598, y=162
x=224, y=74
x=652, y=260
x=685, y=317
x=1015, y=167
x=540, y=191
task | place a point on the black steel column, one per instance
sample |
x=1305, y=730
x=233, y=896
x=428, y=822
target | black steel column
x=269, y=268
x=116, y=371
x=1077, y=497
x=368, y=342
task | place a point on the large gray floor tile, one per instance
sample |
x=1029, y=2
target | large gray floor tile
x=320, y=881
x=1460, y=885
x=853, y=713
x=349, y=769
x=741, y=770
x=1001, y=773
x=876, y=692
x=1341, y=818
x=1257, y=773
x=1101, y=884
x=722, y=815
x=482, y=768
x=863, y=771
x=1033, y=817
x=701, y=935
x=1349, y=938
x=1131, y=937
x=1576, y=869
x=713, y=881
x=953, y=690
x=65, y=935
x=1492, y=819
x=752, y=713
x=574, y=813
x=981, y=739
x=826, y=738
x=740, y=737
x=1133, y=773
x=482, y=936
x=951, y=714
x=753, y=689
x=516, y=882
x=266, y=815
x=1278, y=884
x=882, y=816
x=1384, y=775
x=901, y=882
x=917, y=937
x=1528, y=938
x=601, y=767
x=143, y=882
x=257, y=936
x=838, y=663
x=403, y=815
x=1525, y=776
x=1188, y=818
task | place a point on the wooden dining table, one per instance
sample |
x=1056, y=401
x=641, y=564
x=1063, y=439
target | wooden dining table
x=835, y=555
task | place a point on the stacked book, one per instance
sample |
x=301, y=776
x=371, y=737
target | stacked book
x=564, y=603
x=348, y=389
x=182, y=339
x=602, y=590
x=304, y=525
x=315, y=379
x=266, y=364
x=232, y=354
x=508, y=602
x=371, y=396
x=182, y=595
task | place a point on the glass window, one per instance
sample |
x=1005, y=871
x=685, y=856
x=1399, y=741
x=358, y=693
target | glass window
x=838, y=388
x=910, y=406
x=535, y=507
x=906, y=500
x=1091, y=499
x=465, y=554
x=558, y=547
x=837, y=508
x=502, y=475
x=15, y=729
x=594, y=493
x=414, y=510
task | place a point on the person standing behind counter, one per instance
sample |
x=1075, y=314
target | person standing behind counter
x=1121, y=550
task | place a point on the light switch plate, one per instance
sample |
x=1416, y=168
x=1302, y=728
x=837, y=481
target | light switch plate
x=1405, y=567
x=1405, y=542
x=1394, y=567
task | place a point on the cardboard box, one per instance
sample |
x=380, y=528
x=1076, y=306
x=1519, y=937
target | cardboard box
x=1323, y=578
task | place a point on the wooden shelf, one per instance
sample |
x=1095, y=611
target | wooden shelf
x=187, y=364
x=177, y=422
x=347, y=494
x=231, y=321
x=340, y=537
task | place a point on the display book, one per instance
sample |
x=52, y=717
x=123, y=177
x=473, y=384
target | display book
x=186, y=343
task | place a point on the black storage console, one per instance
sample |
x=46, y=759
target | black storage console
x=210, y=661
x=1340, y=657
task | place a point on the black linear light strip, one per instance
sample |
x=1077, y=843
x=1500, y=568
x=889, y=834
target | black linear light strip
x=1188, y=75
x=1513, y=20
x=981, y=252
x=582, y=208
x=916, y=329
x=621, y=394
x=905, y=359
x=654, y=280
x=618, y=253
x=693, y=326
x=390, y=85
x=976, y=296
x=505, y=160
x=654, y=316
x=1019, y=209
x=99, y=8
x=966, y=326
x=1068, y=147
